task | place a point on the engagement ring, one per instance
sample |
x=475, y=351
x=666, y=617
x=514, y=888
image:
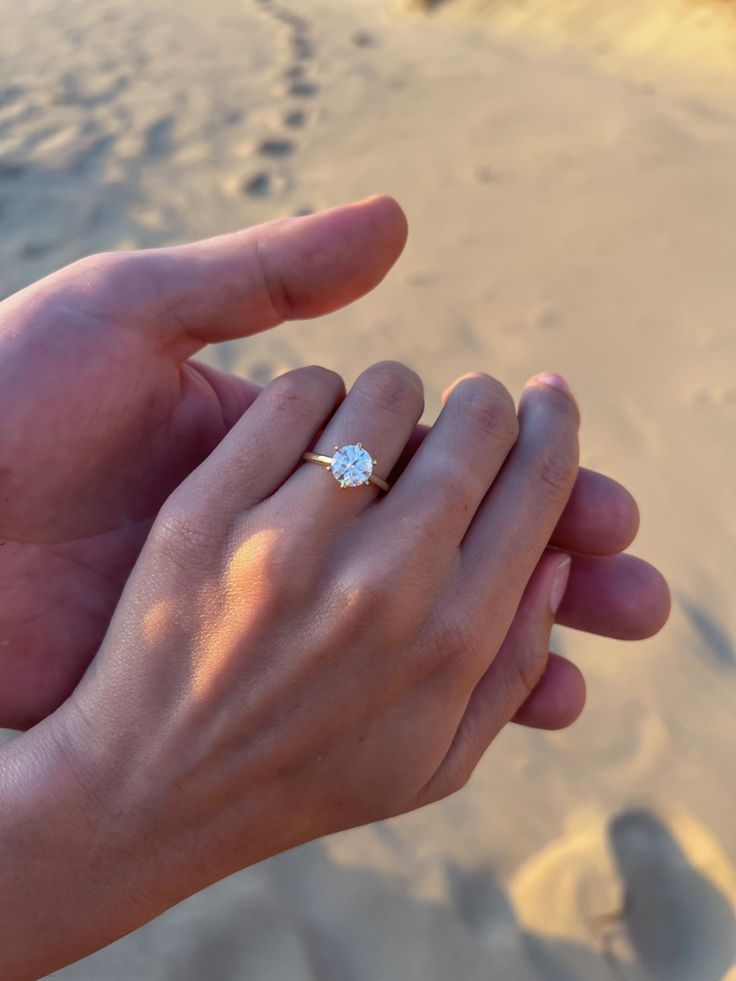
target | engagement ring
x=351, y=466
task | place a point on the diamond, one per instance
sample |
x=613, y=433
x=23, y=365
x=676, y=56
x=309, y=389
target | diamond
x=352, y=466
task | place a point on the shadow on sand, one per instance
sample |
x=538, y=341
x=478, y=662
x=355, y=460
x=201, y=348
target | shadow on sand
x=302, y=917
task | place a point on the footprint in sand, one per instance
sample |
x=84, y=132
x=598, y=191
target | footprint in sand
x=158, y=138
x=303, y=90
x=277, y=147
x=263, y=183
x=234, y=117
x=91, y=158
x=260, y=184
x=36, y=250
x=716, y=646
x=302, y=47
x=295, y=118
x=364, y=39
x=292, y=20
x=257, y=186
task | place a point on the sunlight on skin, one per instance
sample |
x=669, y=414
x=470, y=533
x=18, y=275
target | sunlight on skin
x=249, y=577
x=157, y=621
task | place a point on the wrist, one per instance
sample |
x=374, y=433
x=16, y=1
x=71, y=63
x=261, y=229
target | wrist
x=171, y=799
x=78, y=871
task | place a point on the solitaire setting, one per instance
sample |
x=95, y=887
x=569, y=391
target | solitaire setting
x=351, y=466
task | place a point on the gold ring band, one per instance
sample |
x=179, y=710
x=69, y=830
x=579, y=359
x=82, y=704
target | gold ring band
x=351, y=466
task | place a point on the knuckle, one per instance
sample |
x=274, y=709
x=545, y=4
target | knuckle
x=461, y=490
x=460, y=777
x=489, y=408
x=301, y=390
x=111, y=267
x=556, y=472
x=274, y=279
x=369, y=597
x=455, y=778
x=366, y=593
x=183, y=531
x=99, y=260
x=326, y=377
x=527, y=667
x=393, y=386
x=127, y=277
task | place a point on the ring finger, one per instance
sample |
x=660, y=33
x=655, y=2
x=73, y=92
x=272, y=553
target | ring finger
x=379, y=413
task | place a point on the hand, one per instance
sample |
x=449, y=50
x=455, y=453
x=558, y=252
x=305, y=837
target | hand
x=104, y=413
x=289, y=659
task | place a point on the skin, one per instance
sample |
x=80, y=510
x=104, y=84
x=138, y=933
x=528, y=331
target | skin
x=278, y=659
x=289, y=659
x=105, y=412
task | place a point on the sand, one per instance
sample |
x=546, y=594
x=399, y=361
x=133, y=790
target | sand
x=569, y=172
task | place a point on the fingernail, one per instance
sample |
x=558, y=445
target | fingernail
x=549, y=378
x=559, y=584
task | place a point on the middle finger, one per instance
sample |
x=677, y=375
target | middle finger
x=450, y=474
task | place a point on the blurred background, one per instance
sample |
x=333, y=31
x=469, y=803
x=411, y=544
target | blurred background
x=569, y=173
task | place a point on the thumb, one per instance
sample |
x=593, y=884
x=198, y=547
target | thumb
x=238, y=284
x=514, y=674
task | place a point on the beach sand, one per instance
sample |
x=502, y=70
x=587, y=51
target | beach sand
x=569, y=174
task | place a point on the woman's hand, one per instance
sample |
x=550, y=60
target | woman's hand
x=104, y=413
x=336, y=647
x=290, y=658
